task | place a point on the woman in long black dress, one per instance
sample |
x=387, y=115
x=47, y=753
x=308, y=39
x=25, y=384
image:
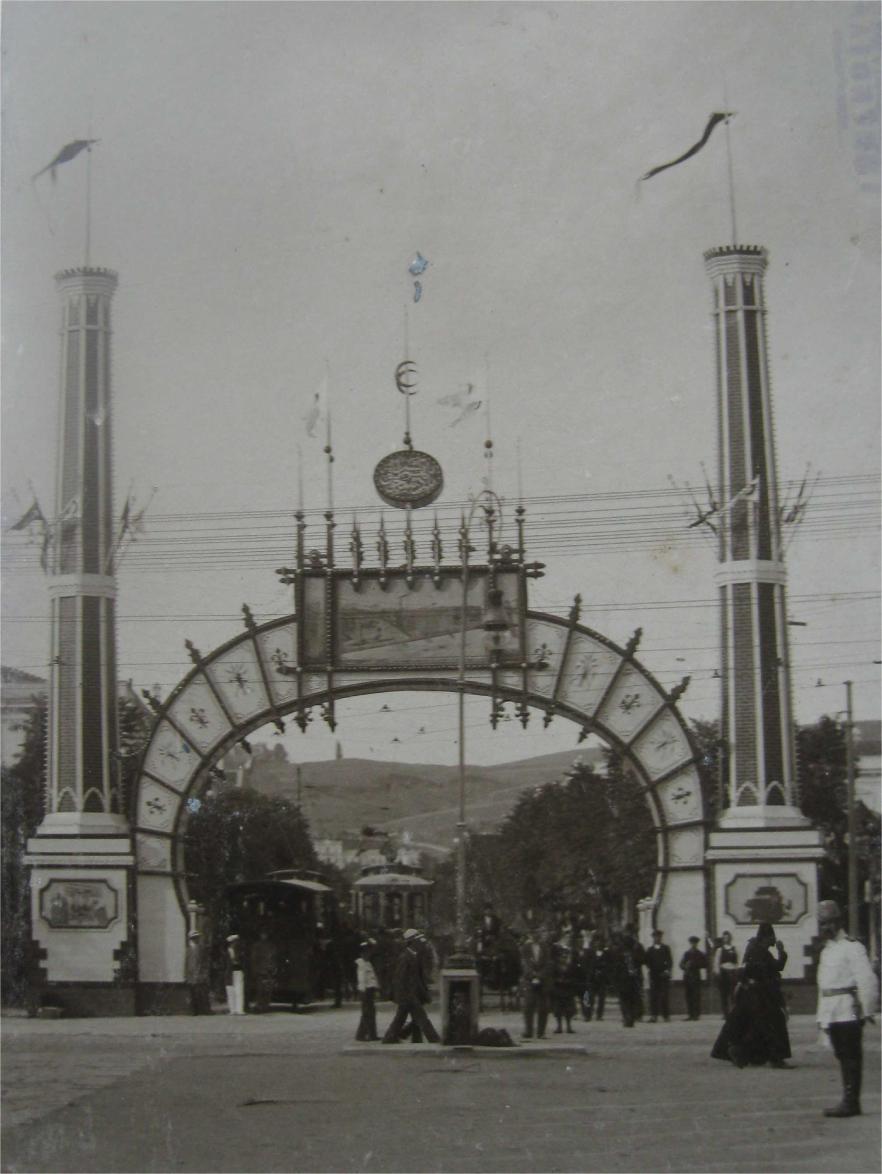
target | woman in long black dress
x=755, y=1031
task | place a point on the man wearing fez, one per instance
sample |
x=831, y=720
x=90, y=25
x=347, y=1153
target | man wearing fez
x=659, y=964
x=846, y=1000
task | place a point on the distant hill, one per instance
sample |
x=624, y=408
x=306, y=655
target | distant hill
x=351, y=793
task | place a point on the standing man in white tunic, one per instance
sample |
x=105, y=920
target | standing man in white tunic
x=846, y=999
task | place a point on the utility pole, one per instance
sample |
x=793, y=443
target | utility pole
x=852, y=819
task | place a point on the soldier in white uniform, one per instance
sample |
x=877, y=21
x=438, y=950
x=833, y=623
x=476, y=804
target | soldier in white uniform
x=846, y=999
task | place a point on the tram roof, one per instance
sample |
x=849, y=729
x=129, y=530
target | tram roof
x=390, y=880
x=289, y=882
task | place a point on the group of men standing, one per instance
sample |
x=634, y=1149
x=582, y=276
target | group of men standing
x=555, y=968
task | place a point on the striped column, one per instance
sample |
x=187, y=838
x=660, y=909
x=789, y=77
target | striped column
x=756, y=699
x=82, y=770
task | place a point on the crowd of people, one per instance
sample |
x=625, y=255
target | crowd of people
x=563, y=971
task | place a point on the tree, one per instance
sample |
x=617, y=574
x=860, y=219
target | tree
x=823, y=784
x=238, y=834
x=582, y=843
x=22, y=800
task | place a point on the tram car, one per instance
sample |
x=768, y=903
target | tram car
x=299, y=914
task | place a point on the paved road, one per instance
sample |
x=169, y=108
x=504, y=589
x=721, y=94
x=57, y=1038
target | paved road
x=294, y=1093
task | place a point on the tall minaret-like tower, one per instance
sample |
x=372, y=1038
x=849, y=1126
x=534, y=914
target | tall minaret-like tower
x=81, y=862
x=82, y=788
x=761, y=834
x=760, y=769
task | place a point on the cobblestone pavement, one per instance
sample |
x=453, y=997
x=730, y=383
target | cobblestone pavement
x=289, y=1092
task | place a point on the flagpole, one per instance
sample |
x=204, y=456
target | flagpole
x=329, y=449
x=88, y=199
x=729, y=162
x=407, y=437
x=488, y=442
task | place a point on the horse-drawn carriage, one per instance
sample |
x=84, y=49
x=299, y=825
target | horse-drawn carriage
x=498, y=959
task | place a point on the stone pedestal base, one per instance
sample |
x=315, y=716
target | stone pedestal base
x=85, y=1000
x=764, y=867
x=83, y=938
x=460, y=997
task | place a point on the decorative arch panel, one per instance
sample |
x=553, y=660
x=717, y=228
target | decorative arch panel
x=570, y=673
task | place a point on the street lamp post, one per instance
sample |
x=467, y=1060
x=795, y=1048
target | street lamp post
x=495, y=625
x=852, y=818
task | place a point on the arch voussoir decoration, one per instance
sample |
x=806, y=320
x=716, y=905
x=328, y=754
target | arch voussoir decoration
x=572, y=673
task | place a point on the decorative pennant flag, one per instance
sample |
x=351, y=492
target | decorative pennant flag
x=693, y=150
x=465, y=400
x=67, y=152
x=468, y=410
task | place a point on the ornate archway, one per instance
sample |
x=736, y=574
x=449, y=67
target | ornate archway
x=574, y=674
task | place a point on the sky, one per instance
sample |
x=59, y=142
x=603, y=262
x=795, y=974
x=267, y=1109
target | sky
x=264, y=176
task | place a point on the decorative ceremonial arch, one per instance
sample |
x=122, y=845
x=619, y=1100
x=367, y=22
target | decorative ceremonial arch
x=571, y=672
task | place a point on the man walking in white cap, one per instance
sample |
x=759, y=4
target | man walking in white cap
x=846, y=999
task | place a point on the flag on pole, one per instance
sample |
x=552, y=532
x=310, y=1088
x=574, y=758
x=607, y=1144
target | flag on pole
x=719, y=116
x=34, y=516
x=31, y=515
x=748, y=492
x=68, y=151
x=466, y=403
x=71, y=511
x=318, y=408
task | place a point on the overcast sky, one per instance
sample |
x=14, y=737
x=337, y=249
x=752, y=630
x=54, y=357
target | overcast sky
x=264, y=175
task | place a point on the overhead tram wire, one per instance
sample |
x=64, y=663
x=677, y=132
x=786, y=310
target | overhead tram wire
x=635, y=523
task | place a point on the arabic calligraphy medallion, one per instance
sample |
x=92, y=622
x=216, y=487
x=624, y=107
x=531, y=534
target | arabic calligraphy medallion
x=408, y=478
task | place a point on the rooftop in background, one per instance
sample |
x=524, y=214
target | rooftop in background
x=868, y=737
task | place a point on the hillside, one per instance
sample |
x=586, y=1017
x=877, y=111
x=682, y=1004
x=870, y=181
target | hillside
x=351, y=793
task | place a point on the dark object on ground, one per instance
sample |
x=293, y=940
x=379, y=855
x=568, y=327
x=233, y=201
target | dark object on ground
x=494, y=1037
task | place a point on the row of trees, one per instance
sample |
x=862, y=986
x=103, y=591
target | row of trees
x=585, y=842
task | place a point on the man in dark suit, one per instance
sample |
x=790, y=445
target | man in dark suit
x=410, y=992
x=596, y=964
x=659, y=964
x=536, y=979
x=692, y=963
x=628, y=957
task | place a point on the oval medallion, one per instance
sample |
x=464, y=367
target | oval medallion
x=408, y=478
